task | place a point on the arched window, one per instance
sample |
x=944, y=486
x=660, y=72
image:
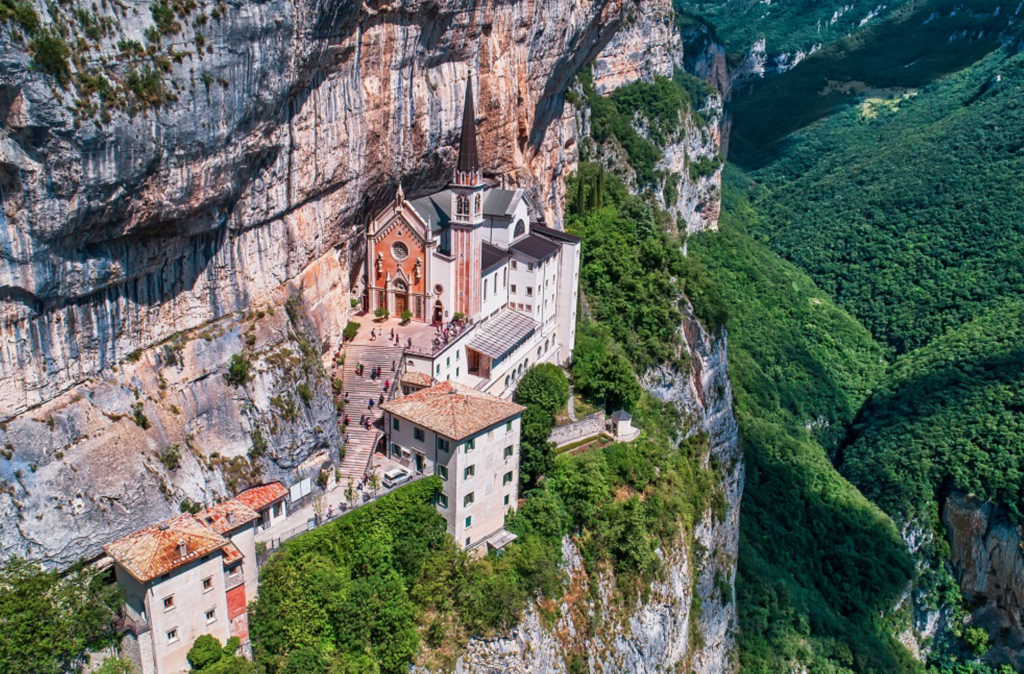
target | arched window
x=477, y=203
x=520, y=229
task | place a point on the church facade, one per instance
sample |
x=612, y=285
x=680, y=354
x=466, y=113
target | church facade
x=470, y=254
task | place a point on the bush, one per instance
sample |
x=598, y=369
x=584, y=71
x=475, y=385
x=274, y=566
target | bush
x=351, y=328
x=381, y=313
x=305, y=392
x=406, y=316
x=544, y=386
x=50, y=54
x=239, y=370
x=170, y=457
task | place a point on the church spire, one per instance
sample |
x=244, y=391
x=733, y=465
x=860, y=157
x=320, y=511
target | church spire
x=468, y=162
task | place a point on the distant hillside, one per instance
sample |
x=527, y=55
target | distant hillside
x=905, y=204
x=786, y=26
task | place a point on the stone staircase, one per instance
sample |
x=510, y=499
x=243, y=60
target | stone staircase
x=360, y=390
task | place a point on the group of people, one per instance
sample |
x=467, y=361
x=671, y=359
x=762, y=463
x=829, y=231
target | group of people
x=392, y=337
x=445, y=333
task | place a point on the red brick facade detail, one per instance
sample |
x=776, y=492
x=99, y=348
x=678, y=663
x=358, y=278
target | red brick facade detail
x=236, y=601
x=240, y=627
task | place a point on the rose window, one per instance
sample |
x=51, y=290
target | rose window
x=399, y=251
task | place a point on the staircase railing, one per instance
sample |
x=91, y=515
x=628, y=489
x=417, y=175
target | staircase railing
x=392, y=393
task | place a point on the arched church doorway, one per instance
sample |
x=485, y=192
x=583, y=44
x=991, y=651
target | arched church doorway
x=401, y=298
x=438, y=312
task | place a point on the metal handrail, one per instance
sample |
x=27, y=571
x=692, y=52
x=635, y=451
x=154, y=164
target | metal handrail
x=399, y=371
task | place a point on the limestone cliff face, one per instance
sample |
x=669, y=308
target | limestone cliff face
x=276, y=139
x=688, y=621
x=690, y=169
x=987, y=554
x=125, y=449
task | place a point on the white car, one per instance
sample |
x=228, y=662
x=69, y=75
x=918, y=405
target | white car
x=395, y=477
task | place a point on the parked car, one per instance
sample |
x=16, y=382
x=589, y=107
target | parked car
x=395, y=477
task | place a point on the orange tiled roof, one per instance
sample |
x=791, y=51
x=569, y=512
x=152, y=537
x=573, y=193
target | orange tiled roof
x=417, y=379
x=262, y=496
x=231, y=554
x=453, y=410
x=227, y=516
x=155, y=550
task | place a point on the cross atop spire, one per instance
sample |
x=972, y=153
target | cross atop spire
x=468, y=162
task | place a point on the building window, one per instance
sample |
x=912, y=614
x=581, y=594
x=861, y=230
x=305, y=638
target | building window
x=485, y=289
x=456, y=373
x=168, y=603
x=442, y=472
x=442, y=500
x=468, y=499
x=207, y=584
x=506, y=478
x=443, y=445
x=515, y=265
x=395, y=449
x=508, y=426
x=506, y=500
x=513, y=287
x=394, y=423
x=380, y=299
x=172, y=635
x=469, y=523
x=529, y=291
x=470, y=471
x=439, y=368
x=448, y=361
x=506, y=381
x=418, y=434
x=419, y=307
x=529, y=266
x=508, y=452
x=277, y=509
x=470, y=445
x=539, y=351
x=211, y=616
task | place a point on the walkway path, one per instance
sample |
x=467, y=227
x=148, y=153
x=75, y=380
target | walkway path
x=571, y=409
x=360, y=390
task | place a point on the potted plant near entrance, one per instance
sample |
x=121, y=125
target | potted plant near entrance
x=381, y=313
x=406, y=317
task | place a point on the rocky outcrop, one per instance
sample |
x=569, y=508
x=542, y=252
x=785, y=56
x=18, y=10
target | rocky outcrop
x=987, y=554
x=277, y=128
x=166, y=428
x=688, y=620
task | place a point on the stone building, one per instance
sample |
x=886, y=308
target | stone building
x=191, y=575
x=471, y=253
x=471, y=440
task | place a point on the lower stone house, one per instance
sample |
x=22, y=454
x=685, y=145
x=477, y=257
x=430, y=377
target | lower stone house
x=192, y=575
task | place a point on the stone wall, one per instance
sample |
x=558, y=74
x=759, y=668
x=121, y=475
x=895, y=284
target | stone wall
x=586, y=427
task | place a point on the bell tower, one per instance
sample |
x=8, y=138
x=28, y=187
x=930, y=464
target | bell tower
x=468, y=191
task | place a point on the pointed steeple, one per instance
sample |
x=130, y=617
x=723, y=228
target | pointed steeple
x=468, y=162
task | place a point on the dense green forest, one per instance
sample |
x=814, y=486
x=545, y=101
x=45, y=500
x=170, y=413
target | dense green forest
x=820, y=567
x=949, y=416
x=787, y=26
x=886, y=174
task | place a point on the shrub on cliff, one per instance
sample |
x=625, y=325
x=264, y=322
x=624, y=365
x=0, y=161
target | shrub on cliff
x=239, y=370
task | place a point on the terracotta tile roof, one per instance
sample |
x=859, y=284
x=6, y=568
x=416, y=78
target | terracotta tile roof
x=227, y=516
x=417, y=379
x=155, y=550
x=231, y=554
x=262, y=496
x=453, y=410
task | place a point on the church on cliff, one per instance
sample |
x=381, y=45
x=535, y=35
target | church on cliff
x=469, y=257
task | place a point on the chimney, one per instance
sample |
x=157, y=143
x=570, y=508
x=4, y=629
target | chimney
x=231, y=518
x=182, y=549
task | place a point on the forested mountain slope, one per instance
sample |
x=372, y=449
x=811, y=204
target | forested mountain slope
x=887, y=168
